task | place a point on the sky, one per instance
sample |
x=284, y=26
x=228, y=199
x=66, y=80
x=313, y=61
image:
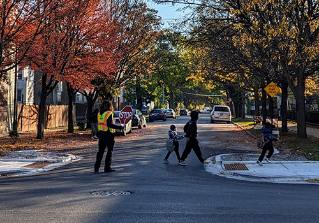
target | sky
x=168, y=12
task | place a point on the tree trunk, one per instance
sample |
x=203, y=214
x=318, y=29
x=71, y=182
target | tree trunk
x=71, y=94
x=171, y=100
x=300, y=109
x=243, y=103
x=139, y=93
x=264, y=104
x=40, y=129
x=256, y=92
x=271, y=107
x=283, y=110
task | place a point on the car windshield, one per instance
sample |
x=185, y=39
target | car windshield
x=116, y=114
x=222, y=109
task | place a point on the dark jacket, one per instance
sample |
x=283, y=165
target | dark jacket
x=93, y=117
x=268, y=134
x=192, y=129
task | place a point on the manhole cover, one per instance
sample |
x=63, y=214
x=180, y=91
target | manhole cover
x=235, y=166
x=111, y=193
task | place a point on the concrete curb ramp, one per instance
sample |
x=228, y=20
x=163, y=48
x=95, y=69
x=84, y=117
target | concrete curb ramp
x=276, y=172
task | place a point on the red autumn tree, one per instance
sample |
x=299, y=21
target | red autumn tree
x=65, y=49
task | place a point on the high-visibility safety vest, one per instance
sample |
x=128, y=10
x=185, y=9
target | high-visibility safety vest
x=102, y=126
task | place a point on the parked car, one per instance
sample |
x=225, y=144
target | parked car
x=220, y=113
x=138, y=119
x=183, y=112
x=170, y=113
x=157, y=114
x=127, y=126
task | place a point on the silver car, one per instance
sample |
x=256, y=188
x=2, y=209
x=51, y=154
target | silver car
x=170, y=113
x=220, y=113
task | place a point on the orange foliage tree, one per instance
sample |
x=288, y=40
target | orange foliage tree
x=137, y=27
x=68, y=50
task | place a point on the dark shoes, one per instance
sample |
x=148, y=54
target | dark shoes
x=105, y=170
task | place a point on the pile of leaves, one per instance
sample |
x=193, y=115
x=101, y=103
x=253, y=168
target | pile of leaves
x=52, y=140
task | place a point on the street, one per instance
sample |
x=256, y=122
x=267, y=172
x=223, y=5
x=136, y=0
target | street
x=143, y=189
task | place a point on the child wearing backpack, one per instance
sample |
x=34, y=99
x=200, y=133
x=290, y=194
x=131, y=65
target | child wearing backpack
x=174, y=137
x=268, y=138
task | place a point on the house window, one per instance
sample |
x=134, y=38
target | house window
x=20, y=75
x=59, y=96
x=19, y=95
x=60, y=85
x=78, y=95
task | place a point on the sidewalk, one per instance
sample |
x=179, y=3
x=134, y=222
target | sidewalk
x=280, y=170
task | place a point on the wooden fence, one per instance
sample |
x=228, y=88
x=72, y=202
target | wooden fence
x=55, y=116
x=3, y=119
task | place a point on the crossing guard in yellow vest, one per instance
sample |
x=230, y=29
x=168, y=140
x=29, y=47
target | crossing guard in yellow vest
x=107, y=130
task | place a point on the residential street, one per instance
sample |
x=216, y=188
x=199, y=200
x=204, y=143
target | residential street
x=143, y=189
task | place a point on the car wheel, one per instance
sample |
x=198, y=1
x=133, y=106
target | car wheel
x=139, y=125
x=228, y=122
x=211, y=120
x=164, y=119
x=145, y=125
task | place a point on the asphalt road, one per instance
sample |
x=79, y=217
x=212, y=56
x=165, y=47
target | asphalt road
x=143, y=189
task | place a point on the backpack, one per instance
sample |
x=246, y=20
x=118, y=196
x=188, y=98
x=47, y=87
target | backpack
x=186, y=126
x=170, y=145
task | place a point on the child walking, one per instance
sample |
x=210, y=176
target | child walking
x=268, y=138
x=175, y=137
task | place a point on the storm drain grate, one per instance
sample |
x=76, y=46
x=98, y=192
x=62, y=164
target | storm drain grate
x=111, y=193
x=236, y=166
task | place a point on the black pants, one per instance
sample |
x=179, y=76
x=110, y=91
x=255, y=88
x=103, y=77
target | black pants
x=106, y=140
x=192, y=144
x=268, y=146
x=176, y=149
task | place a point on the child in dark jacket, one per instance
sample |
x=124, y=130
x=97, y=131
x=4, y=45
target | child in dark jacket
x=268, y=138
x=191, y=140
x=175, y=137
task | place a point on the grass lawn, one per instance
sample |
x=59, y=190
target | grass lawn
x=288, y=140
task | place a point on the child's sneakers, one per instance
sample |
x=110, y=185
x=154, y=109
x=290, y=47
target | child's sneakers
x=259, y=162
x=166, y=161
x=182, y=163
